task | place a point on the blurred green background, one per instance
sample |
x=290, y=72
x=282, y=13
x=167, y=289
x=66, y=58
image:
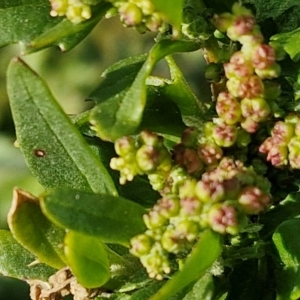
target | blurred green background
x=72, y=76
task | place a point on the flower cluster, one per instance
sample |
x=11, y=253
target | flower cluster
x=283, y=146
x=247, y=101
x=141, y=14
x=146, y=155
x=74, y=10
x=221, y=200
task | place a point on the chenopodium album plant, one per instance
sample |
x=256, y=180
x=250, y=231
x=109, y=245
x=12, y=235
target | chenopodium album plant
x=153, y=193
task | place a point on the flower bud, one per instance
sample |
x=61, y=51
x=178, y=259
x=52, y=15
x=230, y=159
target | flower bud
x=210, y=153
x=253, y=200
x=224, y=135
x=130, y=14
x=223, y=218
x=141, y=245
x=256, y=108
x=263, y=57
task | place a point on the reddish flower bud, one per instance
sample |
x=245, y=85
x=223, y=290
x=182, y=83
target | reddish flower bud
x=224, y=135
x=253, y=200
x=263, y=56
x=210, y=153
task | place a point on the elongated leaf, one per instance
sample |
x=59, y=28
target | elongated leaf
x=112, y=219
x=87, y=259
x=287, y=243
x=17, y=262
x=121, y=114
x=28, y=22
x=205, y=252
x=34, y=231
x=53, y=148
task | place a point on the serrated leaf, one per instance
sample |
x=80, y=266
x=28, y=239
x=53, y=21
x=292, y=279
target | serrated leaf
x=121, y=113
x=112, y=219
x=172, y=12
x=87, y=258
x=17, y=262
x=34, y=231
x=287, y=243
x=28, y=22
x=205, y=252
x=290, y=42
x=54, y=150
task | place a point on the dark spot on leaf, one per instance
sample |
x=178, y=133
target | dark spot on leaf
x=39, y=153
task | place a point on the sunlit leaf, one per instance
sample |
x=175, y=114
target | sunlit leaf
x=121, y=113
x=54, y=149
x=87, y=258
x=204, y=254
x=112, y=219
x=17, y=262
x=28, y=23
x=34, y=231
x=287, y=243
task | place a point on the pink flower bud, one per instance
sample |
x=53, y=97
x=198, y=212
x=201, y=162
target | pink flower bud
x=263, y=56
x=253, y=200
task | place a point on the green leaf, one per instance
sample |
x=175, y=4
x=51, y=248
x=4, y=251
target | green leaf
x=287, y=243
x=28, y=22
x=290, y=42
x=17, y=262
x=287, y=209
x=205, y=252
x=271, y=9
x=192, y=110
x=203, y=289
x=112, y=219
x=172, y=11
x=54, y=150
x=120, y=113
x=161, y=114
x=34, y=231
x=87, y=258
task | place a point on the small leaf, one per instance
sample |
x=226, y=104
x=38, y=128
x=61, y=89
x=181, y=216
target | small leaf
x=121, y=112
x=172, y=11
x=28, y=22
x=34, y=231
x=17, y=262
x=112, y=219
x=87, y=258
x=290, y=42
x=205, y=252
x=54, y=150
x=288, y=247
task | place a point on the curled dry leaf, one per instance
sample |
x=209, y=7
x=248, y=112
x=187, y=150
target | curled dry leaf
x=59, y=285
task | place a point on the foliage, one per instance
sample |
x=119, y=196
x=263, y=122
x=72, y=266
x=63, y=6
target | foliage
x=153, y=193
